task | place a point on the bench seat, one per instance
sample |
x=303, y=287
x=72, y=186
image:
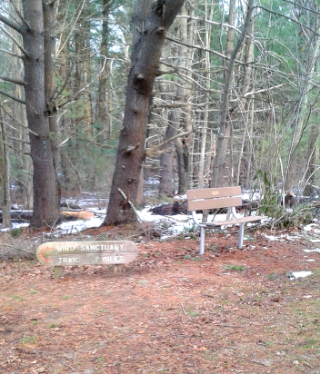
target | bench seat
x=233, y=221
x=215, y=198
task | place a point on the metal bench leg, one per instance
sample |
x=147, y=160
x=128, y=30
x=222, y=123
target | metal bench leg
x=241, y=233
x=202, y=235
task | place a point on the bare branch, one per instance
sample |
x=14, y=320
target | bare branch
x=202, y=48
x=20, y=15
x=301, y=6
x=15, y=81
x=10, y=53
x=289, y=18
x=13, y=25
x=13, y=98
x=156, y=150
x=85, y=87
x=26, y=53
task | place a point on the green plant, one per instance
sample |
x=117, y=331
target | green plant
x=18, y=297
x=54, y=325
x=66, y=297
x=193, y=313
x=234, y=267
x=29, y=339
x=100, y=360
x=16, y=232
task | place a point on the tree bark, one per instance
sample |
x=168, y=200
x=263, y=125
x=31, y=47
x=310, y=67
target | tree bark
x=4, y=176
x=225, y=123
x=50, y=25
x=312, y=160
x=167, y=157
x=105, y=93
x=46, y=189
x=144, y=64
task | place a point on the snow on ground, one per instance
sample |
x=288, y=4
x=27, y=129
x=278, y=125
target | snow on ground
x=300, y=274
x=169, y=225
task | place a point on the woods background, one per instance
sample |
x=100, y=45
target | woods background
x=234, y=101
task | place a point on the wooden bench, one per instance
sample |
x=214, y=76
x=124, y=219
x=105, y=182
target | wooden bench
x=216, y=198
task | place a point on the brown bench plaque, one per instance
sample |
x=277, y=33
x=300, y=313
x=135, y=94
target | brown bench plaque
x=59, y=254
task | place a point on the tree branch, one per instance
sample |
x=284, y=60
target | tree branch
x=155, y=150
x=20, y=15
x=13, y=97
x=301, y=6
x=13, y=25
x=16, y=81
x=201, y=48
x=26, y=53
x=289, y=18
x=10, y=53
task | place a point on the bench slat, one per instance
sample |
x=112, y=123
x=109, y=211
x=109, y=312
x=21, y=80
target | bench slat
x=234, y=221
x=214, y=203
x=213, y=193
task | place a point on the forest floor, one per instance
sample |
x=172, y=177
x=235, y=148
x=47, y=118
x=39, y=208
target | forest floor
x=170, y=311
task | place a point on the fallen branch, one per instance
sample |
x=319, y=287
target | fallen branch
x=130, y=203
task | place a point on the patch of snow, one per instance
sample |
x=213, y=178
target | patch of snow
x=151, y=180
x=15, y=225
x=74, y=227
x=180, y=197
x=309, y=227
x=312, y=250
x=292, y=238
x=248, y=195
x=300, y=274
x=272, y=238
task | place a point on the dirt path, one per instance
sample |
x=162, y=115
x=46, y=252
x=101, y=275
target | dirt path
x=169, y=312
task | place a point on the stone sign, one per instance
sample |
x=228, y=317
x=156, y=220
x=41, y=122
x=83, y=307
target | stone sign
x=60, y=254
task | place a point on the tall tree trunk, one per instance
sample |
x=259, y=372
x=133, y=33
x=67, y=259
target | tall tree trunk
x=167, y=157
x=86, y=70
x=225, y=123
x=46, y=210
x=300, y=121
x=4, y=175
x=312, y=160
x=144, y=64
x=205, y=114
x=50, y=9
x=184, y=95
x=104, y=92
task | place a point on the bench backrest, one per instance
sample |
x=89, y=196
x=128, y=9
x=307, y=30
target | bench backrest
x=214, y=198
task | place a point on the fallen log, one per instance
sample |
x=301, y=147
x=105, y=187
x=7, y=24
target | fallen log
x=21, y=216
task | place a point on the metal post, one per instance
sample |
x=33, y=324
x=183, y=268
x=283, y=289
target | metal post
x=202, y=235
x=241, y=233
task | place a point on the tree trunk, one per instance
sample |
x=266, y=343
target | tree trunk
x=183, y=165
x=144, y=64
x=4, y=177
x=50, y=24
x=104, y=97
x=46, y=190
x=312, y=160
x=86, y=70
x=225, y=123
x=167, y=157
